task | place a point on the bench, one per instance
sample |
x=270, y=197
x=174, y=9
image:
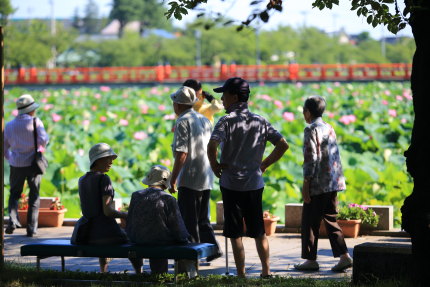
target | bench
x=63, y=248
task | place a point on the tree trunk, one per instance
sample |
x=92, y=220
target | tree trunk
x=416, y=208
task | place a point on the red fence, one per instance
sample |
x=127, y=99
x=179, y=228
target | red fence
x=178, y=74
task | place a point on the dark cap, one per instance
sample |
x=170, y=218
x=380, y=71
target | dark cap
x=236, y=85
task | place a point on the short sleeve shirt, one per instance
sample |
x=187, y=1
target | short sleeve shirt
x=243, y=136
x=192, y=133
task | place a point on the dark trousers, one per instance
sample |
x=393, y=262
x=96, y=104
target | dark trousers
x=18, y=175
x=194, y=207
x=321, y=207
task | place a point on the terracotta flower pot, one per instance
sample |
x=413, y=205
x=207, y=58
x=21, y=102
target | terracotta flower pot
x=270, y=225
x=47, y=217
x=350, y=228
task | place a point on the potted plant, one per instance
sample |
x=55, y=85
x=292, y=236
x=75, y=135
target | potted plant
x=270, y=222
x=351, y=217
x=48, y=217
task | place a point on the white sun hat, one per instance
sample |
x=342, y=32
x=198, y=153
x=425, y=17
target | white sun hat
x=185, y=96
x=100, y=150
x=26, y=104
x=158, y=175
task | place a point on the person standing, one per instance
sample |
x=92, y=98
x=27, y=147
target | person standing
x=323, y=178
x=19, y=150
x=243, y=136
x=208, y=109
x=191, y=170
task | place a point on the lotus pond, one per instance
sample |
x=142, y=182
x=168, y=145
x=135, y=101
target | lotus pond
x=373, y=122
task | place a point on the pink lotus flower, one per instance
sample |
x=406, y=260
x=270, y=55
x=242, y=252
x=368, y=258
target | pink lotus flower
x=289, y=117
x=124, y=96
x=77, y=93
x=361, y=102
x=161, y=107
x=154, y=91
x=347, y=119
x=387, y=92
x=336, y=84
x=140, y=135
x=407, y=95
x=392, y=113
x=329, y=90
x=47, y=107
x=56, y=117
x=86, y=123
x=355, y=93
x=14, y=113
x=384, y=102
x=97, y=96
x=144, y=109
x=44, y=100
x=278, y=104
x=261, y=83
x=403, y=121
x=94, y=108
x=46, y=93
x=104, y=88
x=81, y=152
x=250, y=103
x=169, y=117
x=166, y=89
x=123, y=122
x=299, y=85
x=399, y=98
x=330, y=115
x=166, y=162
x=74, y=102
x=265, y=97
x=103, y=119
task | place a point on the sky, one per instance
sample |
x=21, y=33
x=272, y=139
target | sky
x=296, y=13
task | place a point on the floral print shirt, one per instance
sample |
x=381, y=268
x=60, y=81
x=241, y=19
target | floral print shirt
x=322, y=164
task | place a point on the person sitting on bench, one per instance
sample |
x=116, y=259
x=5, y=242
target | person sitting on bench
x=154, y=216
x=98, y=225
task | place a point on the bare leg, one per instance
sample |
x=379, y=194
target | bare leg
x=262, y=245
x=103, y=264
x=239, y=255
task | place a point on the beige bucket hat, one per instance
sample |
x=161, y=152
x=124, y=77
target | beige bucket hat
x=185, y=96
x=100, y=150
x=158, y=175
x=26, y=104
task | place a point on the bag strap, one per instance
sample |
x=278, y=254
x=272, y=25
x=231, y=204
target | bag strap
x=35, y=134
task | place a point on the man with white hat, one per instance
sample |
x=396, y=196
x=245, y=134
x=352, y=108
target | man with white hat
x=19, y=150
x=191, y=170
x=154, y=216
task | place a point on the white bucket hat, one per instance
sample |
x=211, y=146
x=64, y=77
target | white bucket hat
x=158, y=175
x=100, y=150
x=26, y=104
x=185, y=96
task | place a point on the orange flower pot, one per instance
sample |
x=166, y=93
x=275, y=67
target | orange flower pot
x=270, y=225
x=350, y=228
x=47, y=217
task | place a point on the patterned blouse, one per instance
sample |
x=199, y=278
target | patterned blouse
x=322, y=164
x=154, y=218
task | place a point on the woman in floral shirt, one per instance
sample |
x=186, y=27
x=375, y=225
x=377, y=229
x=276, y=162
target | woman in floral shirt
x=323, y=178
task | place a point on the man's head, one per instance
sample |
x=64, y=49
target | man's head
x=158, y=176
x=234, y=90
x=315, y=106
x=183, y=99
x=26, y=104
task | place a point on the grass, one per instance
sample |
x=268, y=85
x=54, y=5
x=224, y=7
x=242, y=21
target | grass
x=14, y=275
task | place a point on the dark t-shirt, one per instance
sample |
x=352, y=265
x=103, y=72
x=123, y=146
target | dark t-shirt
x=92, y=187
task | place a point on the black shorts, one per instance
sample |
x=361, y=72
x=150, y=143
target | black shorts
x=240, y=206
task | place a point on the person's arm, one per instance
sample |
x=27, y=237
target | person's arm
x=212, y=156
x=42, y=136
x=280, y=148
x=310, y=158
x=180, y=158
x=109, y=208
x=305, y=190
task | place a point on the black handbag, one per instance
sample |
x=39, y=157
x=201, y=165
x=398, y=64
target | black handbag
x=39, y=163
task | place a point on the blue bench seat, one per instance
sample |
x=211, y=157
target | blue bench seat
x=63, y=248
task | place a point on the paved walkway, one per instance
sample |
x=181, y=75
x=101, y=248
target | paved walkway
x=285, y=249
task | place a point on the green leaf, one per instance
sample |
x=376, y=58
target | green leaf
x=369, y=19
